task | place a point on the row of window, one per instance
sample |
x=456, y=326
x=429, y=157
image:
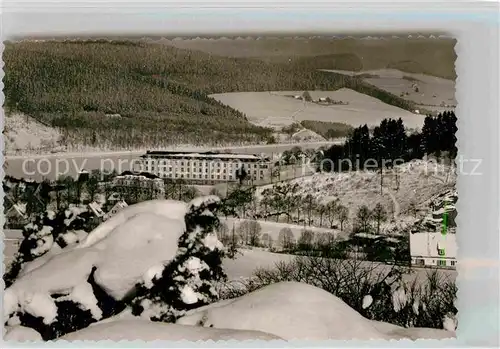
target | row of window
x=438, y=262
x=205, y=163
x=144, y=184
x=188, y=170
x=200, y=176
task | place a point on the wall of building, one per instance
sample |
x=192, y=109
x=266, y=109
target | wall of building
x=205, y=171
x=433, y=249
x=420, y=261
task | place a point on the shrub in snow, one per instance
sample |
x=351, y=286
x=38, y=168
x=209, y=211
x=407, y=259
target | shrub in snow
x=59, y=313
x=64, y=228
x=186, y=282
x=369, y=288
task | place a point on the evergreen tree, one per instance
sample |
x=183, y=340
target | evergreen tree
x=430, y=138
x=187, y=282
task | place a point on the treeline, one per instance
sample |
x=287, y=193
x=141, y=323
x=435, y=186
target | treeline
x=106, y=94
x=328, y=129
x=389, y=143
x=98, y=186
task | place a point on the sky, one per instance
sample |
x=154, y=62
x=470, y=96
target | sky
x=37, y=18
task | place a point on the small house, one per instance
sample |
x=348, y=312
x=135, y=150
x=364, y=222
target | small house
x=120, y=205
x=433, y=249
x=96, y=209
x=16, y=217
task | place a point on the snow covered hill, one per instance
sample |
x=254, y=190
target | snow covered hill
x=110, y=286
x=407, y=185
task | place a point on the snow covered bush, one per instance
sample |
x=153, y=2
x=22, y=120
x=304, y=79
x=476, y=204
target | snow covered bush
x=159, y=257
x=186, y=282
x=372, y=289
x=63, y=228
x=60, y=313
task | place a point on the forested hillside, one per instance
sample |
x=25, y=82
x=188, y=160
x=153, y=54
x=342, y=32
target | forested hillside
x=109, y=94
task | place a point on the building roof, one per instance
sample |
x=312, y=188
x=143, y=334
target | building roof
x=427, y=244
x=19, y=209
x=119, y=205
x=96, y=209
x=205, y=155
x=141, y=174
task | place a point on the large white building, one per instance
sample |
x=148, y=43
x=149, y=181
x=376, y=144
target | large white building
x=433, y=249
x=207, y=167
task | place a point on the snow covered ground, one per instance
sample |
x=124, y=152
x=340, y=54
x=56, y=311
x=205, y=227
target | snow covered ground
x=293, y=310
x=432, y=91
x=419, y=181
x=276, y=109
x=24, y=134
x=271, y=230
x=249, y=260
x=132, y=248
x=282, y=311
x=137, y=329
x=148, y=231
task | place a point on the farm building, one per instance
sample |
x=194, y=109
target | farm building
x=433, y=249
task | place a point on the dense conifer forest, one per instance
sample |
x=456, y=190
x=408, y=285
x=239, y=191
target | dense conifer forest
x=119, y=93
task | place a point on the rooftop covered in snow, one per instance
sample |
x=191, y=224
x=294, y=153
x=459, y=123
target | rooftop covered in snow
x=202, y=155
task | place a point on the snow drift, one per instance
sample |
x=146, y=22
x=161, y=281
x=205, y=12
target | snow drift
x=150, y=331
x=165, y=208
x=293, y=310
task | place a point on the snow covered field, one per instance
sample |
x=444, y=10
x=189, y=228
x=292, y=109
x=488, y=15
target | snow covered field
x=24, y=134
x=249, y=260
x=273, y=229
x=432, y=91
x=276, y=109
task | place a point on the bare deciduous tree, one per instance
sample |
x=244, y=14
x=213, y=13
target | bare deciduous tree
x=342, y=215
x=331, y=209
x=250, y=231
x=363, y=219
x=285, y=238
x=380, y=215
